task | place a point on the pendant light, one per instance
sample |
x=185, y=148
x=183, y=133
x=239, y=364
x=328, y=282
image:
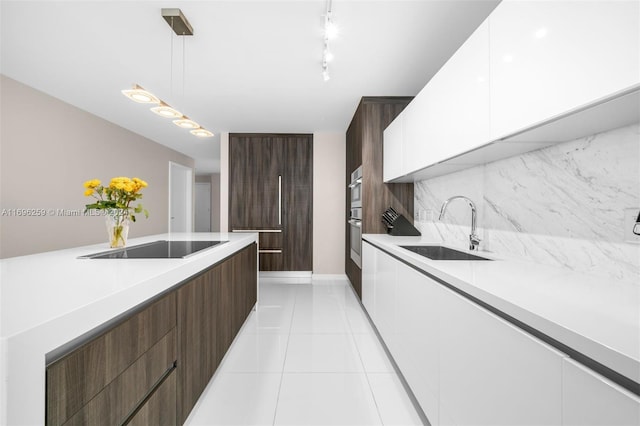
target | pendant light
x=179, y=24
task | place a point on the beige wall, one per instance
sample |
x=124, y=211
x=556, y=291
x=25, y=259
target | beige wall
x=329, y=156
x=47, y=150
x=215, y=202
x=224, y=181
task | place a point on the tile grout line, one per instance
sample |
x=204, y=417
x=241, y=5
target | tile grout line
x=284, y=361
x=366, y=373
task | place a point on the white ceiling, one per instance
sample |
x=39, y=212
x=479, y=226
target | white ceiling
x=251, y=66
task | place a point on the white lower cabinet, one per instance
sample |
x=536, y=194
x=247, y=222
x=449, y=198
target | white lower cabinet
x=589, y=399
x=492, y=373
x=385, y=297
x=416, y=349
x=369, y=254
x=468, y=366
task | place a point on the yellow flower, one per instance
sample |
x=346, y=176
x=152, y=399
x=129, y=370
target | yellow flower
x=129, y=187
x=88, y=192
x=93, y=183
x=140, y=182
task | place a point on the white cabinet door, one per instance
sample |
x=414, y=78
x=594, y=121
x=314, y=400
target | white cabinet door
x=385, y=296
x=548, y=57
x=451, y=114
x=392, y=151
x=492, y=373
x=416, y=349
x=369, y=278
x=589, y=399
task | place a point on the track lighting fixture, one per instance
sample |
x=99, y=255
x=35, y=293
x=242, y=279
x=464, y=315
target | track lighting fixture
x=330, y=33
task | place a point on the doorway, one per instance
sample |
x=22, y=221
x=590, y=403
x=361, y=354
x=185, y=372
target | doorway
x=203, y=207
x=180, y=198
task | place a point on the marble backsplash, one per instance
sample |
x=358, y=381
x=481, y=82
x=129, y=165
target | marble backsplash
x=562, y=205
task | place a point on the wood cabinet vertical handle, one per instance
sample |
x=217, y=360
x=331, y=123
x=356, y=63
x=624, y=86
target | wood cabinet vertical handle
x=279, y=199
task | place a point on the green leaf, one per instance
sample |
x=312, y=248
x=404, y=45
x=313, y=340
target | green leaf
x=146, y=213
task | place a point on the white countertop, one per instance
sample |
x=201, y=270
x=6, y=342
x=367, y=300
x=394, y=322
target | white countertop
x=595, y=316
x=48, y=299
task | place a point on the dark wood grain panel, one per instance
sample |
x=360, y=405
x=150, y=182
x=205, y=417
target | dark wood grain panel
x=238, y=291
x=377, y=195
x=197, y=303
x=250, y=277
x=298, y=203
x=160, y=409
x=270, y=240
x=364, y=141
x=255, y=163
x=114, y=403
x=76, y=378
x=353, y=161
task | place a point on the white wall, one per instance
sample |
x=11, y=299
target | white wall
x=48, y=148
x=329, y=157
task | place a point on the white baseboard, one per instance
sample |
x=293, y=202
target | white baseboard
x=329, y=277
x=285, y=274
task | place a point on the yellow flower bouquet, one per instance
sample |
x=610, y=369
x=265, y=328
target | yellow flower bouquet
x=115, y=199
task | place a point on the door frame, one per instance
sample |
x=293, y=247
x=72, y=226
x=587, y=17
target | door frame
x=176, y=169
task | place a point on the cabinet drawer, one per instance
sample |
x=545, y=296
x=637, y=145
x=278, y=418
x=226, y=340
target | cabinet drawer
x=270, y=240
x=116, y=401
x=589, y=399
x=160, y=409
x=79, y=376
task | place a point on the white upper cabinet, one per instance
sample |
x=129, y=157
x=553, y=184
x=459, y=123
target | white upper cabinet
x=392, y=150
x=589, y=399
x=451, y=114
x=550, y=57
x=535, y=71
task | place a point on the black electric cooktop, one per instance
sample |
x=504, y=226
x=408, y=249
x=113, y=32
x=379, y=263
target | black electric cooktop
x=156, y=250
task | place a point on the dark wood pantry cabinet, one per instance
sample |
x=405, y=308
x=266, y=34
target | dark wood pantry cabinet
x=364, y=147
x=150, y=366
x=271, y=192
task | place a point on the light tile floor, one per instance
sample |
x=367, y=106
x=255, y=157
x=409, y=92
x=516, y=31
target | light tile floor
x=306, y=356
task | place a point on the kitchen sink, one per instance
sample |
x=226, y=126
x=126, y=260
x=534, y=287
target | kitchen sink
x=442, y=253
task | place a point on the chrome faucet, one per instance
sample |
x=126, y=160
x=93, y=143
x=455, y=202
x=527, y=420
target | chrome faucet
x=473, y=238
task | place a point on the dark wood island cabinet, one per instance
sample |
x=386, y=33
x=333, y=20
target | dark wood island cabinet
x=150, y=365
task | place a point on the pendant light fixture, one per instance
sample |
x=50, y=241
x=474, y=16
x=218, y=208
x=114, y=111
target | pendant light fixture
x=179, y=24
x=166, y=111
x=138, y=94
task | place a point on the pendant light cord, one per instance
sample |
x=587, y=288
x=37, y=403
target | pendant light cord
x=171, y=59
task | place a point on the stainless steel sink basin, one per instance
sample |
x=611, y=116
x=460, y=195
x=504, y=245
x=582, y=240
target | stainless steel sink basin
x=442, y=253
